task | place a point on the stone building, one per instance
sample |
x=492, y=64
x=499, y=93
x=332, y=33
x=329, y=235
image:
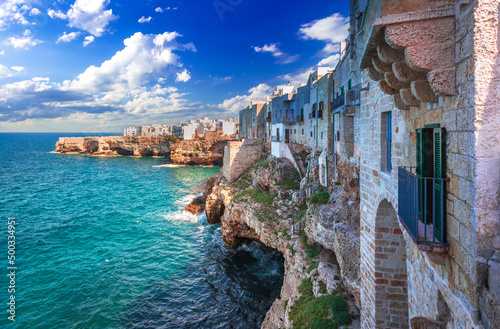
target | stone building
x=429, y=177
x=252, y=120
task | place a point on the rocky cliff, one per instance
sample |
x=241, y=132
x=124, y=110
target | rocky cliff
x=268, y=204
x=181, y=152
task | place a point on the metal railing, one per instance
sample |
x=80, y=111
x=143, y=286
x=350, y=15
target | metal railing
x=338, y=102
x=427, y=226
x=298, y=228
x=300, y=118
x=289, y=120
x=353, y=96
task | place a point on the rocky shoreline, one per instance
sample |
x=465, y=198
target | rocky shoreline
x=269, y=204
x=198, y=152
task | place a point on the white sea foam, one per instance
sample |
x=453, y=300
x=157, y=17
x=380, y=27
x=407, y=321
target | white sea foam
x=167, y=166
x=181, y=216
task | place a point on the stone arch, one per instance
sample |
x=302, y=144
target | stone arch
x=390, y=272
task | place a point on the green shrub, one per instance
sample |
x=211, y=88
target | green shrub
x=301, y=214
x=196, y=150
x=275, y=231
x=306, y=287
x=288, y=238
x=259, y=196
x=320, y=197
x=173, y=139
x=322, y=288
x=312, y=267
x=303, y=238
x=260, y=218
x=312, y=251
x=291, y=182
x=309, y=312
x=291, y=248
x=335, y=277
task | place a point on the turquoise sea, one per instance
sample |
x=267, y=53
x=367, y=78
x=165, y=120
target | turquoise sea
x=105, y=243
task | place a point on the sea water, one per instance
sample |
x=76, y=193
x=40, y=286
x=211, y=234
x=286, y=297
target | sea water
x=105, y=243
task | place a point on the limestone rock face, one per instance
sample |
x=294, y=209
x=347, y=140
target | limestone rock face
x=271, y=221
x=198, y=152
x=272, y=172
x=216, y=194
x=114, y=146
x=197, y=205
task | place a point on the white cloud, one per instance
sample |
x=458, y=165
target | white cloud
x=159, y=10
x=237, y=103
x=23, y=42
x=2, y=52
x=122, y=88
x=273, y=49
x=144, y=19
x=144, y=58
x=35, y=11
x=56, y=14
x=5, y=72
x=26, y=32
x=87, y=15
x=332, y=29
x=88, y=40
x=14, y=11
x=330, y=61
x=68, y=37
x=183, y=76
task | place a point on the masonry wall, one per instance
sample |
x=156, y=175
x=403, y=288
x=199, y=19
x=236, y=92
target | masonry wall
x=443, y=287
x=239, y=156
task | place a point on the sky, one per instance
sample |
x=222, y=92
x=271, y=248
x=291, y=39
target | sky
x=104, y=65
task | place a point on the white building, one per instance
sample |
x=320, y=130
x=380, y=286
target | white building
x=131, y=131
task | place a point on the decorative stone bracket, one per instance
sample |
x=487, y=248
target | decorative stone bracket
x=413, y=56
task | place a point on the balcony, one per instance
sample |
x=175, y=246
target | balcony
x=353, y=96
x=425, y=221
x=290, y=120
x=300, y=118
x=275, y=138
x=338, y=102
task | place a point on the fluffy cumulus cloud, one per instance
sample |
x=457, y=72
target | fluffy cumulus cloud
x=235, y=104
x=88, y=40
x=87, y=15
x=332, y=30
x=183, y=76
x=68, y=37
x=16, y=12
x=273, y=49
x=23, y=42
x=124, y=84
x=159, y=10
x=145, y=19
x=6, y=72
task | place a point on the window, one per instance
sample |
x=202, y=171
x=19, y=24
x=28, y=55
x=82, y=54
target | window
x=295, y=131
x=430, y=163
x=314, y=110
x=349, y=84
x=342, y=90
x=321, y=135
x=302, y=131
x=277, y=134
x=385, y=141
x=311, y=134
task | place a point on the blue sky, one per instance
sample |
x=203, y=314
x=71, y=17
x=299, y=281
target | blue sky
x=102, y=65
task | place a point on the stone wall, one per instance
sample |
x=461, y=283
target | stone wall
x=239, y=156
x=454, y=280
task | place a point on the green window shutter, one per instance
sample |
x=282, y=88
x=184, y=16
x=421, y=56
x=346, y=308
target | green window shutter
x=349, y=84
x=342, y=90
x=439, y=185
x=423, y=149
